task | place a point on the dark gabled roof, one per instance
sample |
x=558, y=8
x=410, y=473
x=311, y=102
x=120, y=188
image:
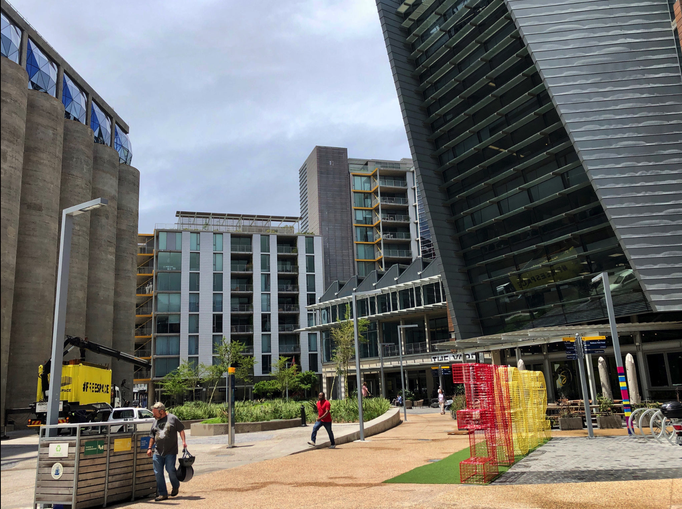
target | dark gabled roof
x=389, y=278
x=369, y=282
x=331, y=292
x=413, y=272
x=349, y=287
x=432, y=270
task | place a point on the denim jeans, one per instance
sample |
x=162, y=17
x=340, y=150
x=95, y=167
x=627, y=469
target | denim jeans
x=169, y=462
x=327, y=426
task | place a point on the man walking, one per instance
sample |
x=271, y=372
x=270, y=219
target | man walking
x=164, y=434
x=324, y=418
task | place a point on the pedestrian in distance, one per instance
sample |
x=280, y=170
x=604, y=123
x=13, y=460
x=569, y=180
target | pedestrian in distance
x=324, y=418
x=441, y=401
x=164, y=435
x=365, y=390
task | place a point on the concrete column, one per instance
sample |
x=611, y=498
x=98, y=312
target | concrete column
x=126, y=279
x=88, y=112
x=426, y=330
x=37, y=246
x=547, y=368
x=23, y=50
x=113, y=133
x=77, y=188
x=13, y=109
x=99, y=320
x=60, y=83
x=641, y=366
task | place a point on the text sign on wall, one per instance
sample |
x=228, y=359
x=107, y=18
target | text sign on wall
x=454, y=357
x=60, y=450
x=144, y=443
x=93, y=447
x=122, y=444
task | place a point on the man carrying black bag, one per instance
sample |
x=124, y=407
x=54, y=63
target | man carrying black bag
x=164, y=434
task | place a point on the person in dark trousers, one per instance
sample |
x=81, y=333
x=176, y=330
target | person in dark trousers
x=324, y=418
x=164, y=434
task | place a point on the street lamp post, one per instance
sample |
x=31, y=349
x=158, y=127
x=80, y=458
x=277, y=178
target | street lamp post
x=604, y=277
x=59, y=326
x=402, y=373
x=357, y=357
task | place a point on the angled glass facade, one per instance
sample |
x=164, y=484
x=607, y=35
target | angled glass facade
x=123, y=146
x=11, y=39
x=42, y=72
x=525, y=224
x=75, y=102
x=100, y=123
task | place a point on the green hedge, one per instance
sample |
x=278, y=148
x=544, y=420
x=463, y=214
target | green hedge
x=258, y=411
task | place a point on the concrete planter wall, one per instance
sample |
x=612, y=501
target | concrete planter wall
x=567, y=423
x=609, y=422
x=208, y=430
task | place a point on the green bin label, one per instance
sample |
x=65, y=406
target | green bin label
x=94, y=447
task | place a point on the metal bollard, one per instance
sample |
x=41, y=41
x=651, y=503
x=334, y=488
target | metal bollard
x=303, y=424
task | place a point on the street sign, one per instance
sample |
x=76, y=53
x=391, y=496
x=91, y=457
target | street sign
x=592, y=338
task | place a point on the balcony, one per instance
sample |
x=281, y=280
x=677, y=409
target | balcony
x=241, y=249
x=241, y=329
x=145, y=351
x=145, y=269
x=145, y=309
x=241, y=308
x=288, y=308
x=287, y=288
x=287, y=327
x=390, y=350
x=397, y=235
x=241, y=287
x=395, y=218
x=287, y=250
x=145, y=330
x=141, y=374
x=145, y=288
x=241, y=267
x=289, y=348
x=287, y=269
x=397, y=253
x=391, y=200
x=145, y=248
x=392, y=183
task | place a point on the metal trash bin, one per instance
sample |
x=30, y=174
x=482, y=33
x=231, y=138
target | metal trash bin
x=86, y=465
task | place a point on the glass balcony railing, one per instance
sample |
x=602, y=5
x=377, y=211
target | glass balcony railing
x=395, y=218
x=241, y=249
x=146, y=269
x=244, y=329
x=289, y=348
x=145, y=330
x=415, y=348
x=287, y=327
x=241, y=267
x=393, y=183
x=236, y=308
x=288, y=308
x=287, y=269
x=398, y=253
x=391, y=200
x=287, y=250
x=287, y=288
x=397, y=235
x=144, y=309
x=241, y=287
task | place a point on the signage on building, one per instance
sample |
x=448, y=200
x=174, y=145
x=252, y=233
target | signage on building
x=122, y=444
x=57, y=471
x=454, y=357
x=93, y=447
x=144, y=443
x=59, y=450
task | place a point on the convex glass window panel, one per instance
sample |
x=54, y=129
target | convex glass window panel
x=42, y=72
x=11, y=40
x=100, y=123
x=122, y=145
x=74, y=100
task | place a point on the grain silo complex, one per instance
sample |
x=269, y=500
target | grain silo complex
x=62, y=145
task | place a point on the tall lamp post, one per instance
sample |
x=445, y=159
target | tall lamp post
x=400, y=350
x=357, y=356
x=60, y=304
x=604, y=277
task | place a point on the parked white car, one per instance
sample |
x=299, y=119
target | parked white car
x=143, y=417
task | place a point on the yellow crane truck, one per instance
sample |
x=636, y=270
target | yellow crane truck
x=86, y=388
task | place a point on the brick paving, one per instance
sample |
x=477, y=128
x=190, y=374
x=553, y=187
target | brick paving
x=601, y=459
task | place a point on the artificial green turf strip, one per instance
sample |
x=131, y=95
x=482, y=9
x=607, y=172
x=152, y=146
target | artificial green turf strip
x=445, y=471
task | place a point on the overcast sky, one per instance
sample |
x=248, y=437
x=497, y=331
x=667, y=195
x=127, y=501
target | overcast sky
x=226, y=99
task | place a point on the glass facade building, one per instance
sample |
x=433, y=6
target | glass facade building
x=550, y=153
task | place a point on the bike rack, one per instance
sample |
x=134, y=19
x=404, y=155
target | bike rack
x=655, y=416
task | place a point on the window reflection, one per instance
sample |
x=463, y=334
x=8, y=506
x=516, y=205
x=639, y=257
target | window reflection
x=11, y=40
x=42, y=72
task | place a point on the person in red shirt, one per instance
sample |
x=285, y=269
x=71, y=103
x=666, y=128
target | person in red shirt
x=324, y=418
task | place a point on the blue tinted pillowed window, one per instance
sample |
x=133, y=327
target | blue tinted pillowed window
x=11, y=40
x=75, y=102
x=100, y=123
x=123, y=146
x=42, y=72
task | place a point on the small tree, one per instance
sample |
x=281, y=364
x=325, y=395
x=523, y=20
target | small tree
x=343, y=335
x=286, y=375
x=228, y=353
x=180, y=380
x=244, y=371
x=307, y=381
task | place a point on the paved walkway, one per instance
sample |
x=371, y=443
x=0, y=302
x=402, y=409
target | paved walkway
x=614, y=458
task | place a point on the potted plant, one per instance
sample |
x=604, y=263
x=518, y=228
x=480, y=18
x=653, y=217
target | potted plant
x=606, y=419
x=568, y=419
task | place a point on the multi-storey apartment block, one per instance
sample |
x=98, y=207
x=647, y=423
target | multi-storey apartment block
x=242, y=277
